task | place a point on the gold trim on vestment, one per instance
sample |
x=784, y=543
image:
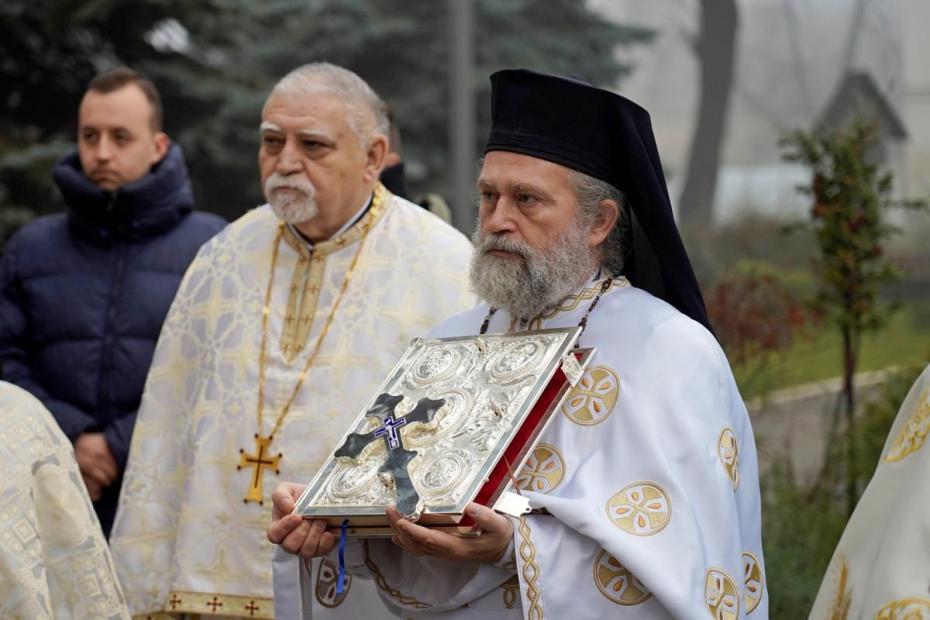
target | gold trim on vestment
x=914, y=434
x=904, y=609
x=307, y=279
x=842, y=596
x=509, y=590
x=206, y=604
x=569, y=303
x=383, y=585
x=530, y=572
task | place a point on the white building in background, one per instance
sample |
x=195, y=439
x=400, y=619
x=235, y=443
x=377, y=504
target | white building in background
x=791, y=60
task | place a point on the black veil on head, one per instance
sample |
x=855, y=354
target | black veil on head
x=608, y=137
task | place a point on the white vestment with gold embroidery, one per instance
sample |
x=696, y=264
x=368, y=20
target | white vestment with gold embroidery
x=649, y=472
x=54, y=561
x=881, y=566
x=184, y=540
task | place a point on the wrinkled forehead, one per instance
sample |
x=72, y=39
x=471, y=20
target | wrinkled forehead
x=505, y=168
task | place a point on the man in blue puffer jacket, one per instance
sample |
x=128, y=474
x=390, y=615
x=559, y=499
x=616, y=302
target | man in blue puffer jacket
x=84, y=293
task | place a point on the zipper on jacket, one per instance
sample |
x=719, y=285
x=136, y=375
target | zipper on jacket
x=104, y=389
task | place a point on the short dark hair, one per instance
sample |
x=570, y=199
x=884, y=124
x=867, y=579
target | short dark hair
x=115, y=79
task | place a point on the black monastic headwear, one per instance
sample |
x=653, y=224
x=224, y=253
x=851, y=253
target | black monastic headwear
x=608, y=137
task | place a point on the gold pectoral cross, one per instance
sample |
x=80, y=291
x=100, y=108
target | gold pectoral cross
x=259, y=461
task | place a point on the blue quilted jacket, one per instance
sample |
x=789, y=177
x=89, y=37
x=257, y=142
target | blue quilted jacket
x=85, y=293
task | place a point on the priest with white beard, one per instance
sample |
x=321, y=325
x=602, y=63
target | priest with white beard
x=645, y=487
x=283, y=325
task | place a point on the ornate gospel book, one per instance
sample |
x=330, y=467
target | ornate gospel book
x=453, y=422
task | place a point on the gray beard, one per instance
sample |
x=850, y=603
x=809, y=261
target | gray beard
x=293, y=211
x=291, y=207
x=538, y=279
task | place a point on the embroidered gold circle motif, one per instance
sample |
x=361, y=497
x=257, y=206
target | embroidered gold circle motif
x=721, y=595
x=641, y=508
x=728, y=451
x=326, y=582
x=753, y=582
x=593, y=399
x=543, y=471
x=617, y=583
x=906, y=609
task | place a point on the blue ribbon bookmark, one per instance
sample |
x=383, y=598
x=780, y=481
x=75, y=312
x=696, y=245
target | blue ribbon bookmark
x=340, y=585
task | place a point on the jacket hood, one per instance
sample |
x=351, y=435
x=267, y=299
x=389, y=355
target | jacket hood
x=136, y=211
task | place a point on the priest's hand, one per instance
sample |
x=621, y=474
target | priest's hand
x=497, y=531
x=293, y=533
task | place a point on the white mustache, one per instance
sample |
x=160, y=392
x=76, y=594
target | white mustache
x=300, y=184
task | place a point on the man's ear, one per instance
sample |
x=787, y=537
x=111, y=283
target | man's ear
x=607, y=216
x=162, y=143
x=377, y=151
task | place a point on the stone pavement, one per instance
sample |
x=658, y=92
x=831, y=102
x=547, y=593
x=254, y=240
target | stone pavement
x=796, y=420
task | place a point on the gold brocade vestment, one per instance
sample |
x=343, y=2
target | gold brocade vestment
x=184, y=541
x=54, y=561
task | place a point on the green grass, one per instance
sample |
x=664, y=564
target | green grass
x=904, y=341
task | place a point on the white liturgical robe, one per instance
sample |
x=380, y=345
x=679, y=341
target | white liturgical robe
x=54, y=561
x=649, y=475
x=881, y=566
x=185, y=539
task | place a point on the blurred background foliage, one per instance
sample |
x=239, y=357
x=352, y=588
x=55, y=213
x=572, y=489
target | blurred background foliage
x=215, y=61
x=802, y=520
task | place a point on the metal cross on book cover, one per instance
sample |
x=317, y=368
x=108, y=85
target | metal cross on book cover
x=454, y=420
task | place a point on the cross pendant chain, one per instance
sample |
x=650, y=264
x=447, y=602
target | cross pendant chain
x=259, y=461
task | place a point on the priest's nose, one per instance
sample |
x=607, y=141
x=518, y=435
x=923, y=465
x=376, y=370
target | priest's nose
x=499, y=217
x=289, y=161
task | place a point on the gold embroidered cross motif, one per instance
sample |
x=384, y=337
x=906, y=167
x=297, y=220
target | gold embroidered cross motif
x=260, y=460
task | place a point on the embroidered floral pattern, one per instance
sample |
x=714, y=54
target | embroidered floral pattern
x=753, y=582
x=728, y=451
x=544, y=470
x=617, y=583
x=642, y=509
x=326, y=581
x=593, y=399
x=906, y=609
x=721, y=595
